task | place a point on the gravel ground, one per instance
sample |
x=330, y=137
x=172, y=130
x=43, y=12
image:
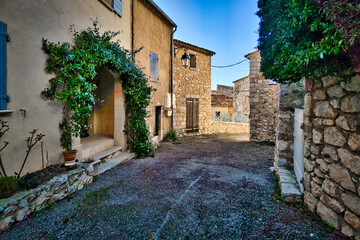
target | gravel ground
x=213, y=187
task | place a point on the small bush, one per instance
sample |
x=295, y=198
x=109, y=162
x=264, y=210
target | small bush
x=8, y=185
x=29, y=181
x=171, y=136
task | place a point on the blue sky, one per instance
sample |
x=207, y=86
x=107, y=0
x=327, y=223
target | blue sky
x=227, y=27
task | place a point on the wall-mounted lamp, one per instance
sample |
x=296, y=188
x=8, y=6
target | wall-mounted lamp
x=185, y=59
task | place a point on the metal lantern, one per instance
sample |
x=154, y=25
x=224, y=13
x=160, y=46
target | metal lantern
x=185, y=60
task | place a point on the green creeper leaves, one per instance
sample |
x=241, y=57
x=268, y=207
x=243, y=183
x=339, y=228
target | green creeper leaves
x=74, y=67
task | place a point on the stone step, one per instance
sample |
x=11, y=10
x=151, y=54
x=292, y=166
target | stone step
x=95, y=144
x=290, y=189
x=122, y=158
x=107, y=154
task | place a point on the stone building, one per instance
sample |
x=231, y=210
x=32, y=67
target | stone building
x=332, y=152
x=241, y=96
x=221, y=105
x=192, y=90
x=27, y=22
x=155, y=59
x=264, y=96
x=224, y=89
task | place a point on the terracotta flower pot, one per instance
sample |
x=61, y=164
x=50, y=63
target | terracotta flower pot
x=70, y=157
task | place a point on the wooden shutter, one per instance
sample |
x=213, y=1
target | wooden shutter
x=3, y=96
x=117, y=5
x=189, y=110
x=192, y=114
x=154, y=67
x=195, y=114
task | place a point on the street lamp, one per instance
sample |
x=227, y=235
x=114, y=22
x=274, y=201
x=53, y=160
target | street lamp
x=185, y=60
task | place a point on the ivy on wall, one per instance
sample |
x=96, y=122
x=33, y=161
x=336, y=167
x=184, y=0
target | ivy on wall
x=297, y=39
x=75, y=65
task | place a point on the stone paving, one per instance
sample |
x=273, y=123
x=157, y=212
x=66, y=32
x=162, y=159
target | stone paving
x=214, y=187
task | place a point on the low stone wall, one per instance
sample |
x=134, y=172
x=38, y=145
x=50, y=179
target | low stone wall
x=18, y=207
x=229, y=127
x=332, y=153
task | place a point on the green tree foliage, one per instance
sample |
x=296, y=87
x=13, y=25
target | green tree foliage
x=75, y=66
x=297, y=40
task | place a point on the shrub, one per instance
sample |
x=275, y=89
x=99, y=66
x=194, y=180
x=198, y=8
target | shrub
x=171, y=136
x=7, y=186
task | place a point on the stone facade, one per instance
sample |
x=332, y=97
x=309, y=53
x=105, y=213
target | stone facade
x=264, y=97
x=229, y=127
x=18, y=207
x=332, y=153
x=224, y=89
x=192, y=83
x=291, y=97
x=242, y=96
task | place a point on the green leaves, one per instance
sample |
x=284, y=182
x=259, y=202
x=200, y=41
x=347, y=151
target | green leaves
x=75, y=65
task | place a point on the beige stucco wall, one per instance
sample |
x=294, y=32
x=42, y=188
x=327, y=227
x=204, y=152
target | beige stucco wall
x=27, y=23
x=154, y=35
x=192, y=83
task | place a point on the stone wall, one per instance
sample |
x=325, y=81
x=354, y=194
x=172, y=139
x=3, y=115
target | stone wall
x=264, y=98
x=225, y=89
x=242, y=96
x=18, y=207
x=332, y=153
x=229, y=127
x=291, y=97
x=192, y=83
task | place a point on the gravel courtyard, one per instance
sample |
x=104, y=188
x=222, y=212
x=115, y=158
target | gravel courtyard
x=213, y=187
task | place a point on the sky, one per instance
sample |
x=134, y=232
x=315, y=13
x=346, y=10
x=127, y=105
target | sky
x=227, y=27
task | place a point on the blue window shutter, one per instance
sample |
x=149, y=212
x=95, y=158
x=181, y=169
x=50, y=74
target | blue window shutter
x=2, y=66
x=117, y=5
x=154, y=67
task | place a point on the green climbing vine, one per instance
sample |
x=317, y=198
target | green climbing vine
x=75, y=65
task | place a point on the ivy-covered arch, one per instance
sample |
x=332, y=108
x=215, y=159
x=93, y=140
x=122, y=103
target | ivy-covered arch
x=75, y=64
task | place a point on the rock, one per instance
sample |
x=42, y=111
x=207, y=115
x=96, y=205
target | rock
x=354, y=142
x=329, y=151
x=332, y=203
x=319, y=173
x=316, y=190
x=317, y=136
x=335, y=103
x=352, y=219
x=323, y=165
x=347, y=230
x=307, y=148
x=336, y=91
x=328, y=81
x=57, y=197
x=353, y=85
x=350, y=104
x=281, y=145
x=310, y=201
x=309, y=165
x=324, y=109
x=9, y=210
x=307, y=180
x=23, y=203
x=327, y=215
x=341, y=176
x=40, y=200
x=334, y=137
x=352, y=202
x=315, y=149
x=317, y=122
x=5, y=223
x=21, y=214
x=319, y=94
x=328, y=122
x=318, y=180
x=308, y=105
x=346, y=123
x=349, y=160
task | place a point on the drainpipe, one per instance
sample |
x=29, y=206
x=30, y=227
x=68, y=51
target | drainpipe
x=171, y=76
x=132, y=29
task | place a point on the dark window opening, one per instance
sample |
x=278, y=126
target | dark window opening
x=157, y=120
x=192, y=61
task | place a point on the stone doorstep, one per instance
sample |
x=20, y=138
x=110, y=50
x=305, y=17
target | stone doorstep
x=290, y=189
x=122, y=158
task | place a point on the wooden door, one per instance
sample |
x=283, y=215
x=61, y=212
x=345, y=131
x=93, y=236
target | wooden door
x=192, y=114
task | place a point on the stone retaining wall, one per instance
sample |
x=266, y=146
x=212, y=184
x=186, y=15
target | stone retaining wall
x=332, y=153
x=229, y=127
x=18, y=207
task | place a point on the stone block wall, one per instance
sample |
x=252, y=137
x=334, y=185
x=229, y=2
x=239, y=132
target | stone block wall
x=229, y=127
x=264, y=97
x=332, y=152
x=291, y=97
x=241, y=96
x=192, y=83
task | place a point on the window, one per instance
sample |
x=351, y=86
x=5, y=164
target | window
x=116, y=5
x=192, y=61
x=154, y=67
x=3, y=39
